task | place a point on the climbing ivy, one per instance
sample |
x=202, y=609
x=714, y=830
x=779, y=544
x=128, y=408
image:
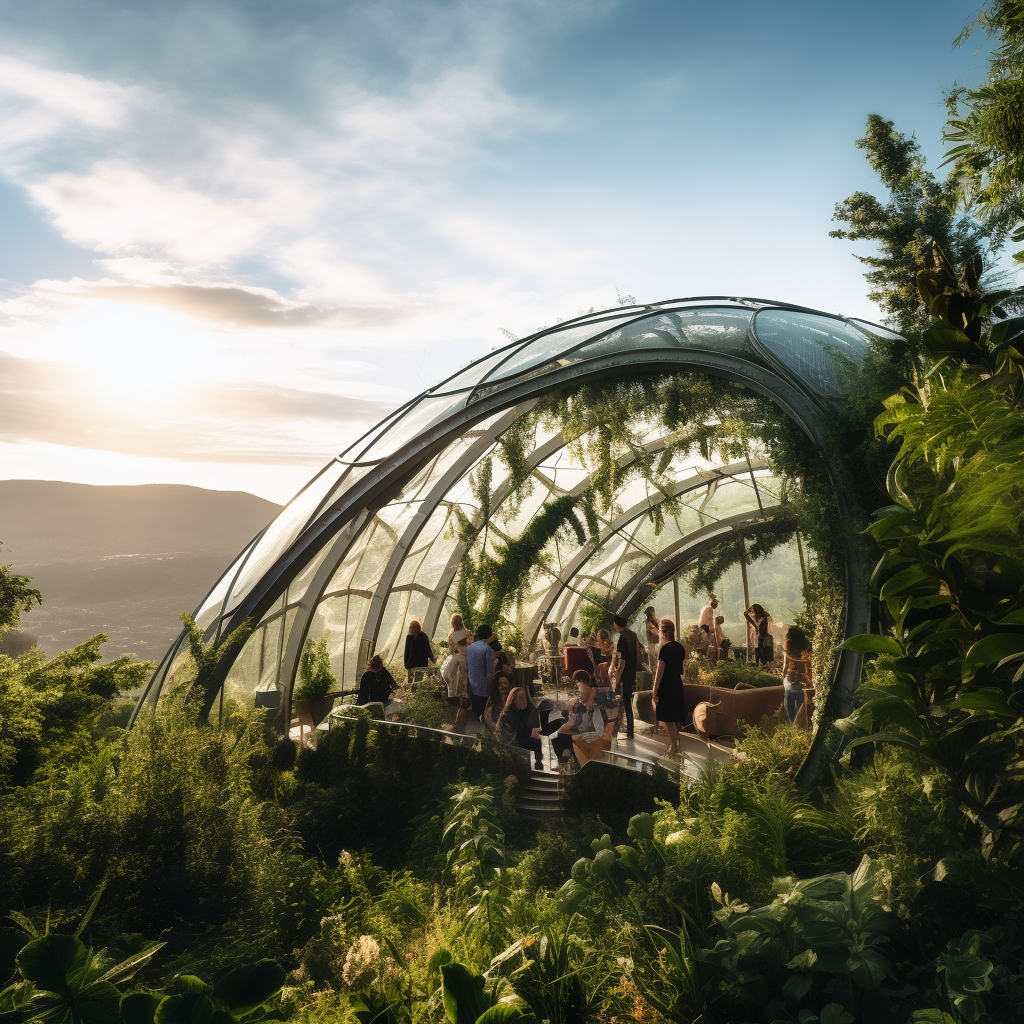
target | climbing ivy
x=606, y=426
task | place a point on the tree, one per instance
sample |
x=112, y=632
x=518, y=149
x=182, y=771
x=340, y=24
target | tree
x=16, y=597
x=920, y=210
x=986, y=126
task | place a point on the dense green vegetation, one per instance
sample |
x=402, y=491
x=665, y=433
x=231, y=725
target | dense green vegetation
x=181, y=872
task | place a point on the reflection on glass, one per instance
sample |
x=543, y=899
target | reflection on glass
x=475, y=372
x=816, y=347
x=282, y=532
x=547, y=346
x=425, y=413
x=720, y=330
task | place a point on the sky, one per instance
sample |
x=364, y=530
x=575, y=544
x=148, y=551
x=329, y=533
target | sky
x=234, y=235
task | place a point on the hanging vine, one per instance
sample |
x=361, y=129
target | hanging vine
x=606, y=426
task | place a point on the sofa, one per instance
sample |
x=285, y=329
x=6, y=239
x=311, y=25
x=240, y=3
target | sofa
x=729, y=707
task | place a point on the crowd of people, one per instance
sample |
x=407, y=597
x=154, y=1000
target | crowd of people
x=480, y=677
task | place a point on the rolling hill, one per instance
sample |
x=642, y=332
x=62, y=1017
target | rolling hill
x=124, y=561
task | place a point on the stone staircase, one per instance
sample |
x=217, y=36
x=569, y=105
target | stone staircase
x=540, y=794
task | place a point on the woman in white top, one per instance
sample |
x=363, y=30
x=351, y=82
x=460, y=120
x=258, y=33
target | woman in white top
x=652, y=636
x=456, y=672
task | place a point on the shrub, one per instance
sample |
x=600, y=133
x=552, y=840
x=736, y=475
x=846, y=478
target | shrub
x=316, y=677
x=729, y=673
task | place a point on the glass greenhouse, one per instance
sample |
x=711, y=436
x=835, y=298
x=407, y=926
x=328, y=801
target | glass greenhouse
x=378, y=536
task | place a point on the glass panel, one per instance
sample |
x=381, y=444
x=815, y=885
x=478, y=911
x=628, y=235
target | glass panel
x=425, y=413
x=473, y=373
x=720, y=330
x=547, y=346
x=282, y=532
x=816, y=347
x=210, y=609
x=401, y=607
x=375, y=557
x=876, y=329
x=270, y=661
x=297, y=588
x=244, y=674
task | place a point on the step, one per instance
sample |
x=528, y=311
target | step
x=531, y=806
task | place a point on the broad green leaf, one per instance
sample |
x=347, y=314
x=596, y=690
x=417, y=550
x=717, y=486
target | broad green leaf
x=873, y=643
x=897, y=739
x=796, y=987
x=1013, y=619
x=191, y=1008
x=99, y=1004
x=240, y=991
x=139, y=1007
x=988, y=699
x=942, y=340
x=991, y=650
x=47, y=962
x=907, y=580
x=833, y=1013
x=462, y=993
x=12, y=941
x=504, y=1013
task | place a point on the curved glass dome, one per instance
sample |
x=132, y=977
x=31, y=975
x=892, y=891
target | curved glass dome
x=373, y=540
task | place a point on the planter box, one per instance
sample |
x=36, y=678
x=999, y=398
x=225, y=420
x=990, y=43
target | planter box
x=733, y=706
x=267, y=699
x=311, y=713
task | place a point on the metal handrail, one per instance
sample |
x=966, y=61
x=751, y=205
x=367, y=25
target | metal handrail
x=631, y=762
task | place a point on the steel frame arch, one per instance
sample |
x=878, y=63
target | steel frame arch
x=587, y=551
x=385, y=478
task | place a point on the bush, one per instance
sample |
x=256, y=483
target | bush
x=729, y=673
x=316, y=677
x=371, y=787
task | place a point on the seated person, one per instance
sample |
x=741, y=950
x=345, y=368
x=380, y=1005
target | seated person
x=574, y=638
x=503, y=660
x=376, y=684
x=519, y=723
x=496, y=701
x=591, y=722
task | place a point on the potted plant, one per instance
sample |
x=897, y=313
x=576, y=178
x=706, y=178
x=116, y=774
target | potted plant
x=312, y=700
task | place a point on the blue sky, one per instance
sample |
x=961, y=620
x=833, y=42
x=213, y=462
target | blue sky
x=235, y=234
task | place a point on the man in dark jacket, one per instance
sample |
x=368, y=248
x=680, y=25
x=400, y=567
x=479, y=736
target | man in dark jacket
x=624, y=668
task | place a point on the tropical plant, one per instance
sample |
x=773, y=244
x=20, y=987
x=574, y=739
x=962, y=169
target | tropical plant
x=985, y=127
x=316, y=679
x=210, y=663
x=559, y=978
x=952, y=574
x=819, y=946
x=476, y=859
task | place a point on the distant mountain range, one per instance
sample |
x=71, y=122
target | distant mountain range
x=124, y=561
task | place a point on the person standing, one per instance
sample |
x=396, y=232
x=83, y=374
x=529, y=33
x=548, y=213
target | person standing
x=480, y=666
x=652, y=636
x=764, y=647
x=707, y=614
x=376, y=684
x=796, y=671
x=624, y=668
x=668, y=684
x=454, y=669
x=418, y=652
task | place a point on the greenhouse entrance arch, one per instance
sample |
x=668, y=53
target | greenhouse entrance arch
x=374, y=538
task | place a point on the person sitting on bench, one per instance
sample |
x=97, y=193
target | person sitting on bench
x=519, y=723
x=591, y=722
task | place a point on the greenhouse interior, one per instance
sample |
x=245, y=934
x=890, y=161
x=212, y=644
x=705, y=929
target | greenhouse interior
x=635, y=457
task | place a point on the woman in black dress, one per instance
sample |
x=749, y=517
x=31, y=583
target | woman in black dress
x=418, y=652
x=376, y=684
x=668, y=684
